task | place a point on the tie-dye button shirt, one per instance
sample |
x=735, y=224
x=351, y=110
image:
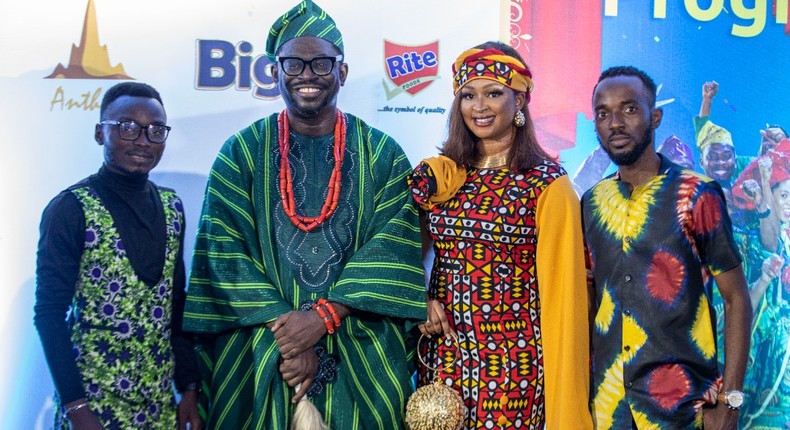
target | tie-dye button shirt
x=654, y=252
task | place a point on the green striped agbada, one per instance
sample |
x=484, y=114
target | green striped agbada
x=251, y=265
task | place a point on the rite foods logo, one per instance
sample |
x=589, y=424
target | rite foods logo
x=410, y=68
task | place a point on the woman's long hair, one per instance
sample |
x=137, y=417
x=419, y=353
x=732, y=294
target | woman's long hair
x=461, y=143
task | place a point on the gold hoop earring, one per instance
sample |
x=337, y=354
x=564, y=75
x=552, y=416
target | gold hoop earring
x=520, y=119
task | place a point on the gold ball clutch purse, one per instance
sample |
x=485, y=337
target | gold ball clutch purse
x=435, y=406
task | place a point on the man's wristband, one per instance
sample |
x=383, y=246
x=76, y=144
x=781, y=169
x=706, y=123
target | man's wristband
x=192, y=386
x=331, y=309
x=74, y=408
x=330, y=327
x=764, y=214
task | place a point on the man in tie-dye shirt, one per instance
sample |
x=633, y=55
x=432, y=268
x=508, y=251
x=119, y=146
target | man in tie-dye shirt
x=658, y=236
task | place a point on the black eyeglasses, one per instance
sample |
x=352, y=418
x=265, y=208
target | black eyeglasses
x=130, y=130
x=321, y=66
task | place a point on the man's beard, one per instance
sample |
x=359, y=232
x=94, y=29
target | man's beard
x=307, y=111
x=630, y=157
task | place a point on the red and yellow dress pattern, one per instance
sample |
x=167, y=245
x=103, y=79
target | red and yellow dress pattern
x=485, y=273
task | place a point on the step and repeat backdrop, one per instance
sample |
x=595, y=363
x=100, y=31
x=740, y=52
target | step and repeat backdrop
x=207, y=60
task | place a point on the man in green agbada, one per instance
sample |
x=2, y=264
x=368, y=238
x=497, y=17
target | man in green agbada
x=337, y=224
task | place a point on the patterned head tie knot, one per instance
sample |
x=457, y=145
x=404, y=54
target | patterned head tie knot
x=780, y=172
x=494, y=65
x=677, y=151
x=711, y=133
x=304, y=19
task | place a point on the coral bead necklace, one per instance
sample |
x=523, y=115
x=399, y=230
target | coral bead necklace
x=306, y=223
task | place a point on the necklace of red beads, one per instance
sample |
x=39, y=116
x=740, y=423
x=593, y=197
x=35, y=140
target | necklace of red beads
x=307, y=223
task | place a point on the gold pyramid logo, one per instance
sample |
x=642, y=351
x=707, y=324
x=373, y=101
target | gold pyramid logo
x=90, y=60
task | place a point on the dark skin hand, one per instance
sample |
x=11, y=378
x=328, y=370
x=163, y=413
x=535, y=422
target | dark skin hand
x=296, y=331
x=83, y=418
x=436, y=320
x=438, y=324
x=300, y=370
x=188, y=411
x=737, y=320
x=720, y=418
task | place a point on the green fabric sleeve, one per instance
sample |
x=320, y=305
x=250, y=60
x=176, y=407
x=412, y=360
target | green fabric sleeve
x=385, y=274
x=229, y=286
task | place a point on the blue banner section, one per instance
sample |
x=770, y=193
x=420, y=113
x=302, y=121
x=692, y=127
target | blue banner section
x=682, y=52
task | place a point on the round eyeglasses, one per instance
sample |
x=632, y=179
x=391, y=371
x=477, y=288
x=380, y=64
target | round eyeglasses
x=321, y=66
x=130, y=130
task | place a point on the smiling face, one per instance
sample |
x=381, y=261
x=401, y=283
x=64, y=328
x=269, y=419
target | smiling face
x=624, y=120
x=781, y=194
x=126, y=156
x=718, y=161
x=308, y=95
x=488, y=108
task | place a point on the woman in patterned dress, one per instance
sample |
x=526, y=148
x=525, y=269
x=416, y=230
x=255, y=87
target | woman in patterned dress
x=508, y=275
x=764, y=187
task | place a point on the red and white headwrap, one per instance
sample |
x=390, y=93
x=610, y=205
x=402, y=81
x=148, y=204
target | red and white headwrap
x=780, y=172
x=494, y=65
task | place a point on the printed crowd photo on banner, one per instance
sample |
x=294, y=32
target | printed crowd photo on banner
x=201, y=83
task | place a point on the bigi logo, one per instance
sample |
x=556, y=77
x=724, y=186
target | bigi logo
x=221, y=65
x=410, y=68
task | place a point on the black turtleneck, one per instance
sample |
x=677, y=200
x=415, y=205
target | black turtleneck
x=136, y=209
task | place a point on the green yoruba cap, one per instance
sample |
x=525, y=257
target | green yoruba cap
x=305, y=19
